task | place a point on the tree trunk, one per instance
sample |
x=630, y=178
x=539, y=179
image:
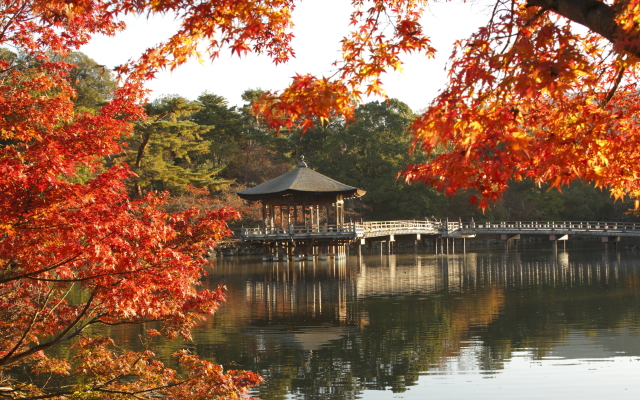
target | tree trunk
x=595, y=15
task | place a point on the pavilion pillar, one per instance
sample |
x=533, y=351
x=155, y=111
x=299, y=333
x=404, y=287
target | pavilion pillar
x=271, y=216
x=328, y=207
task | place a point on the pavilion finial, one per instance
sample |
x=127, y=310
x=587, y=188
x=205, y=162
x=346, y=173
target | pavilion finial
x=302, y=164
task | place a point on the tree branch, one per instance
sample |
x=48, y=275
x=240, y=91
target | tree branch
x=593, y=14
x=7, y=360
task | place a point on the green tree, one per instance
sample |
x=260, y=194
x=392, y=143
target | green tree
x=94, y=84
x=243, y=148
x=580, y=201
x=225, y=131
x=369, y=154
x=168, y=151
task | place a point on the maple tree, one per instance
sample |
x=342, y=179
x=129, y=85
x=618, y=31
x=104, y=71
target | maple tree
x=169, y=150
x=532, y=96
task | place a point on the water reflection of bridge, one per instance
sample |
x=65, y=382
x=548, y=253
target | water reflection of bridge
x=322, y=291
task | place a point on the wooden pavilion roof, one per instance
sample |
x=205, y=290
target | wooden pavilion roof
x=300, y=180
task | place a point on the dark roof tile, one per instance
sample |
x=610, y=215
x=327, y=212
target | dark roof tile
x=301, y=179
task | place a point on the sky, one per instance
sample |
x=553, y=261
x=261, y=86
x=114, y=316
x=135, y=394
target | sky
x=319, y=27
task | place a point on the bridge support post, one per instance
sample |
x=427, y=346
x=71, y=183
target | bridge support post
x=323, y=252
x=610, y=239
x=310, y=252
x=360, y=244
x=556, y=238
x=281, y=254
x=453, y=245
x=508, y=238
x=292, y=250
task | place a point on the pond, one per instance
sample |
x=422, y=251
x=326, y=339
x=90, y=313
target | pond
x=491, y=323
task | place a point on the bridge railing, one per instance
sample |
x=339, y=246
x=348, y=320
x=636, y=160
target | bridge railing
x=377, y=226
x=547, y=225
x=368, y=229
x=355, y=228
x=351, y=229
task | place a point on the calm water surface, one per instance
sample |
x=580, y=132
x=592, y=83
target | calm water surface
x=487, y=324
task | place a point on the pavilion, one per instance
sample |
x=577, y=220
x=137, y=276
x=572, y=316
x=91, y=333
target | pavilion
x=305, y=204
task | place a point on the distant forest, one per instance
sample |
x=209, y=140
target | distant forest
x=201, y=152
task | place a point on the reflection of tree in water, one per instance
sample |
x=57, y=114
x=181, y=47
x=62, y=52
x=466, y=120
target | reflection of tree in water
x=558, y=297
x=331, y=331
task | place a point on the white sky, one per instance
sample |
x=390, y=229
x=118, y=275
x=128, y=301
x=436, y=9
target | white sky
x=320, y=25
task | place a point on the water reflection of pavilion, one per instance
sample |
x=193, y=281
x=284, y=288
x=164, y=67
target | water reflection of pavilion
x=317, y=291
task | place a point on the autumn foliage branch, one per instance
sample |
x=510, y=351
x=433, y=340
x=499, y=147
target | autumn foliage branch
x=531, y=96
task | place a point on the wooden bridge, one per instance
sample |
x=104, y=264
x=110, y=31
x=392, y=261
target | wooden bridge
x=331, y=240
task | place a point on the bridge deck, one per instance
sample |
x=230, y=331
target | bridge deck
x=370, y=230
